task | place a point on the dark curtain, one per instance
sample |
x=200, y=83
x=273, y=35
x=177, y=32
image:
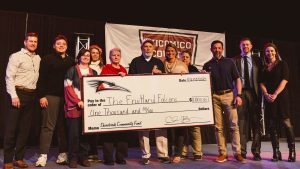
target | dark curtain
x=50, y=26
x=13, y=28
x=12, y=33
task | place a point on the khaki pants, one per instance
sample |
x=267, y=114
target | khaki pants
x=224, y=103
x=161, y=143
x=195, y=134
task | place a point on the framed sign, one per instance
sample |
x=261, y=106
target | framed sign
x=114, y=103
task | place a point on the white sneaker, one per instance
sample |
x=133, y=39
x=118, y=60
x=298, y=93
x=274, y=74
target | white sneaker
x=42, y=160
x=62, y=159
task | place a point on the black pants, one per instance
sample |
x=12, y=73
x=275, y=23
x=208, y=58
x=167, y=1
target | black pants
x=17, y=127
x=118, y=140
x=249, y=116
x=180, y=133
x=78, y=143
x=93, y=141
x=275, y=128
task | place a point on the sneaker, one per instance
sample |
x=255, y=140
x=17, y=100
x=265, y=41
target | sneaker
x=240, y=159
x=42, y=160
x=62, y=159
x=197, y=157
x=93, y=158
x=221, y=158
x=145, y=161
x=165, y=160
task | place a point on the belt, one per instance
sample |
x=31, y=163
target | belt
x=221, y=92
x=25, y=89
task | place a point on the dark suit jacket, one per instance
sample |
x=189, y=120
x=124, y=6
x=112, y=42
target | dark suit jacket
x=257, y=66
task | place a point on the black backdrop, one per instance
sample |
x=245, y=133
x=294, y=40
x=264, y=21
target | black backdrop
x=15, y=24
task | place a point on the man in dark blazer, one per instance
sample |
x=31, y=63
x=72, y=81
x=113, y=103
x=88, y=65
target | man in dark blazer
x=249, y=114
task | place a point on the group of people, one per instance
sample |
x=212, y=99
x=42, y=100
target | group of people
x=237, y=87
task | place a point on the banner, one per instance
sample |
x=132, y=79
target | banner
x=129, y=39
x=114, y=103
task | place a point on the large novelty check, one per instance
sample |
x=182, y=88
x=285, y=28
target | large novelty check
x=114, y=103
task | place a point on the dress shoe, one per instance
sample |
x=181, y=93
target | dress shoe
x=21, y=164
x=122, y=162
x=145, y=161
x=8, y=166
x=85, y=163
x=256, y=157
x=240, y=159
x=73, y=164
x=183, y=157
x=109, y=162
x=197, y=157
x=165, y=160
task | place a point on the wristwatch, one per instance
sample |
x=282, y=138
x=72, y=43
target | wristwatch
x=240, y=95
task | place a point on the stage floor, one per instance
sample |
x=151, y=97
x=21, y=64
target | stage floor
x=209, y=150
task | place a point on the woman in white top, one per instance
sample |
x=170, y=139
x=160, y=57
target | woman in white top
x=97, y=61
x=174, y=65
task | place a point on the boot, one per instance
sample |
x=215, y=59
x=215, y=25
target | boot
x=275, y=145
x=291, y=144
x=276, y=155
x=292, y=154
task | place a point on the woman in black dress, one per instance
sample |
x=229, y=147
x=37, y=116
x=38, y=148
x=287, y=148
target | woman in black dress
x=274, y=78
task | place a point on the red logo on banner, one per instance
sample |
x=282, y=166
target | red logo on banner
x=182, y=41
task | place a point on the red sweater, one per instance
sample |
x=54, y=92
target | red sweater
x=108, y=69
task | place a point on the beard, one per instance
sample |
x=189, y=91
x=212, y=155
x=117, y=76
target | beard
x=218, y=55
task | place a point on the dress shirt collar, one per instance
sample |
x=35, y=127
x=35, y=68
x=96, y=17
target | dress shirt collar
x=25, y=51
x=248, y=55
